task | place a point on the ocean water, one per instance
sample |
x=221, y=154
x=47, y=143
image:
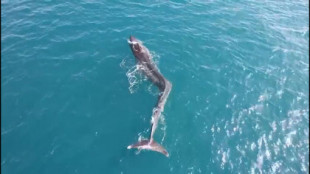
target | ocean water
x=72, y=99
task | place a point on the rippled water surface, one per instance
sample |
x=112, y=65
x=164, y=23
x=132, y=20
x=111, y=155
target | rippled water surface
x=72, y=99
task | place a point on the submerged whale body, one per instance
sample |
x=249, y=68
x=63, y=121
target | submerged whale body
x=149, y=68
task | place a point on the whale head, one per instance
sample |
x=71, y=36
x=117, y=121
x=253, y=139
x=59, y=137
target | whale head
x=133, y=39
x=140, y=52
x=135, y=44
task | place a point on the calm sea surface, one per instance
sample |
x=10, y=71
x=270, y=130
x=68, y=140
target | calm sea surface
x=72, y=99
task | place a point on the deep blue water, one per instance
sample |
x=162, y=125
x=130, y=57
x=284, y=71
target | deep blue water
x=72, y=100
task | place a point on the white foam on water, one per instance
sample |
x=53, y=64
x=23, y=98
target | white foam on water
x=260, y=162
x=152, y=90
x=225, y=158
x=134, y=73
x=155, y=57
x=233, y=98
x=137, y=152
x=275, y=166
x=263, y=97
x=134, y=77
x=268, y=154
x=253, y=146
x=212, y=129
x=218, y=129
x=240, y=150
x=279, y=93
x=288, y=138
x=162, y=121
x=258, y=109
x=274, y=126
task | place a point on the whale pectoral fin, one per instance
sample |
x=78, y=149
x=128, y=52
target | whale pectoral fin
x=149, y=145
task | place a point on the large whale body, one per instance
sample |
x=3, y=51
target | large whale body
x=149, y=68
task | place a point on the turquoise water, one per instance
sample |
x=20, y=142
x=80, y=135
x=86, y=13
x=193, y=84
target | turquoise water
x=72, y=100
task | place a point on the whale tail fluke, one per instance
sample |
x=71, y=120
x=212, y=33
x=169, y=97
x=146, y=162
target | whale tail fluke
x=149, y=145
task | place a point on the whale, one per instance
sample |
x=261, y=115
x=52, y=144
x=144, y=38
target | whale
x=149, y=68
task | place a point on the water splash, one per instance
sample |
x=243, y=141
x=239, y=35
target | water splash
x=162, y=121
x=134, y=75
